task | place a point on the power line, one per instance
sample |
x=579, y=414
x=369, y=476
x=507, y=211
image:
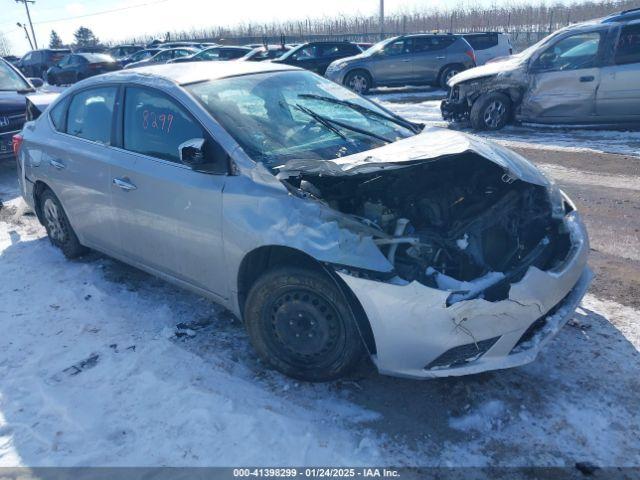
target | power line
x=103, y=12
x=94, y=14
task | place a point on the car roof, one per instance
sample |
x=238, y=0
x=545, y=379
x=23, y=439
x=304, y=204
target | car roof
x=197, y=72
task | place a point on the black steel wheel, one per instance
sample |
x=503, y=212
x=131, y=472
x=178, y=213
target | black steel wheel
x=300, y=323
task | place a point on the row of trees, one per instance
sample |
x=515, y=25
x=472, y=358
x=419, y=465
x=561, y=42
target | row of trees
x=526, y=22
x=82, y=37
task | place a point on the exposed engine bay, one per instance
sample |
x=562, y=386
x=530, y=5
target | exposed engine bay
x=460, y=223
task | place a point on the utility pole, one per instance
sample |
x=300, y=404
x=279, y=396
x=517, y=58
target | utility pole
x=381, y=19
x=26, y=6
x=26, y=33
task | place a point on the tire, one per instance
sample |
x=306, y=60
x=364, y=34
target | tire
x=300, y=323
x=491, y=111
x=57, y=224
x=447, y=73
x=359, y=81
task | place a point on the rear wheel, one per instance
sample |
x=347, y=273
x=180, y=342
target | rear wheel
x=359, y=81
x=58, y=227
x=448, y=73
x=300, y=323
x=490, y=111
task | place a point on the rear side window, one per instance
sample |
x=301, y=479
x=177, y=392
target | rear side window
x=155, y=125
x=58, y=115
x=430, y=43
x=628, y=47
x=91, y=113
x=482, y=41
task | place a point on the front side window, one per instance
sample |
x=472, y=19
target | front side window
x=276, y=117
x=212, y=54
x=396, y=48
x=90, y=114
x=155, y=125
x=571, y=53
x=628, y=46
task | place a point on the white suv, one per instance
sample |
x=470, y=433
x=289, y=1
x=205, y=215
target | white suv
x=489, y=45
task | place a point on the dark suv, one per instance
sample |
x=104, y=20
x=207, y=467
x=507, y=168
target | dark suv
x=13, y=90
x=317, y=56
x=37, y=62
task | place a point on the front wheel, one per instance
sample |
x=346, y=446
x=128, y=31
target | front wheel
x=300, y=323
x=359, y=81
x=490, y=111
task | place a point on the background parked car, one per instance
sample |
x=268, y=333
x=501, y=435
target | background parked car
x=406, y=60
x=583, y=74
x=13, y=90
x=214, y=54
x=78, y=66
x=163, y=56
x=489, y=45
x=36, y=62
x=92, y=49
x=270, y=52
x=317, y=56
x=12, y=59
x=123, y=51
x=138, y=56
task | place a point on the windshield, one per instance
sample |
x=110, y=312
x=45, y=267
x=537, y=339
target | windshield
x=281, y=116
x=379, y=46
x=10, y=80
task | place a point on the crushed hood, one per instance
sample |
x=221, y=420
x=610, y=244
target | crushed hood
x=505, y=66
x=431, y=144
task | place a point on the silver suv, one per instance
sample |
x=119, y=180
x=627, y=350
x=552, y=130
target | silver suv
x=424, y=59
x=329, y=225
x=587, y=73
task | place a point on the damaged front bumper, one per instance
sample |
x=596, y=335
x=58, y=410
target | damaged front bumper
x=417, y=335
x=454, y=108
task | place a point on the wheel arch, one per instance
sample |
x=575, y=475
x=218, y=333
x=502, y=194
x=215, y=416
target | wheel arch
x=449, y=65
x=359, y=68
x=264, y=258
x=38, y=189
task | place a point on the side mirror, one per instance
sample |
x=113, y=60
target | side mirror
x=36, y=82
x=201, y=157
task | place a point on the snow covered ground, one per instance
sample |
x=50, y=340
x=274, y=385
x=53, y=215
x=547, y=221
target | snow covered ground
x=424, y=106
x=101, y=364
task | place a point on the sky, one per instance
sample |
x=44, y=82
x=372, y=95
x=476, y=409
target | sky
x=155, y=16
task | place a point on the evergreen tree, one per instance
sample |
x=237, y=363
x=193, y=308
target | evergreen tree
x=84, y=37
x=54, y=40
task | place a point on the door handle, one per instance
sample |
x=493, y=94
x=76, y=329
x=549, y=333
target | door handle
x=56, y=164
x=441, y=57
x=406, y=61
x=588, y=78
x=124, y=184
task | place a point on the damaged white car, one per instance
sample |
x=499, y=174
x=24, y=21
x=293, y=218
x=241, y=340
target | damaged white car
x=331, y=226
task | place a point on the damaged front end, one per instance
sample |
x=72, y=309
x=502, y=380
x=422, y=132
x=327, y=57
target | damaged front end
x=482, y=248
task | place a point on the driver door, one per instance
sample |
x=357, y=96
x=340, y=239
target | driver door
x=564, y=79
x=169, y=215
x=394, y=63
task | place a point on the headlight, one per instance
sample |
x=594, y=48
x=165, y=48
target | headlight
x=557, y=199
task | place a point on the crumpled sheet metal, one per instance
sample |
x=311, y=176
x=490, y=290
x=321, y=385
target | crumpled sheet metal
x=432, y=144
x=412, y=325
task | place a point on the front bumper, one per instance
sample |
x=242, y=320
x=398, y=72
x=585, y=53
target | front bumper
x=418, y=336
x=453, y=108
x=336, y=76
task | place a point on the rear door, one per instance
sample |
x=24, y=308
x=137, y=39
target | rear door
x=77, y=164
x=429, y=55
x=564, y=79
x=618, y=97
x=169, y=215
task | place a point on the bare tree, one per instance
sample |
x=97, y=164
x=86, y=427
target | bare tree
x=5, y=46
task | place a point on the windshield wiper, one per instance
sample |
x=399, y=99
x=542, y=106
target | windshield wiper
x=331, y=123
x=414, y=127
x=321, y=120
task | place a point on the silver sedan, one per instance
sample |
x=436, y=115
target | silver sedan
x=331, y=226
